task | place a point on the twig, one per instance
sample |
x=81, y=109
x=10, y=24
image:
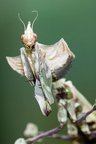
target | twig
x=83, y=117
x=45, y=134
x=63, y=137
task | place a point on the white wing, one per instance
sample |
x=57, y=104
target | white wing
x=58, y=57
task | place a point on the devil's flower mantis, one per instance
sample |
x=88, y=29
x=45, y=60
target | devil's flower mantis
x=45, y=66
x=41, y=65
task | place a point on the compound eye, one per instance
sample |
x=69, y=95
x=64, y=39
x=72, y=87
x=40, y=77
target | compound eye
x=35, y=36
x=22, y=37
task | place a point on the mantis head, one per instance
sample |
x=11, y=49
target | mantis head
x=29, y=37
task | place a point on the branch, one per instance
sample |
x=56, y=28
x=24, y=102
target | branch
x=63, y=137
x=83, y=117
x=45, y=134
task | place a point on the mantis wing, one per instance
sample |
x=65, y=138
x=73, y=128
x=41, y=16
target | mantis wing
x=58, y=57
x=22, y=66
x=16, y=64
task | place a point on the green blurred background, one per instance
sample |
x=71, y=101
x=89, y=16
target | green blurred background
x=75, y=21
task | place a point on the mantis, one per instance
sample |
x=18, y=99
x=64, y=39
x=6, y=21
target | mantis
x=45, y=66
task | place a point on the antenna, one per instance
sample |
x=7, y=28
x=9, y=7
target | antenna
x=22, y=21
x=35, y=18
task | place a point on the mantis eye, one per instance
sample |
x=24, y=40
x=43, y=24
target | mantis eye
x=35, y=36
